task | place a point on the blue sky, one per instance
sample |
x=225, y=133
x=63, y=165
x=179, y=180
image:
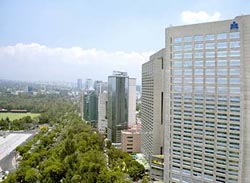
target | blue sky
x=110, y=26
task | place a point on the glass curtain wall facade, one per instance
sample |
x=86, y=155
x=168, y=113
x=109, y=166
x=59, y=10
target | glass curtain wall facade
x=117, y=106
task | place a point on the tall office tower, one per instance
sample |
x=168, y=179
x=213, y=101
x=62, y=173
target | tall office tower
x=88, y=84
x=207, y=129
x=132, y=101
x=79, y=84
x=91, y=107
x=98, y=86
x=102, y=112
x=118, y=100
x=81, y=103
x=152, y=105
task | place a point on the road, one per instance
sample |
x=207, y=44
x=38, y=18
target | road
x=7, y=145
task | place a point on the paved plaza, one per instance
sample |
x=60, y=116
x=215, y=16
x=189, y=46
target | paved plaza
x=10, y=142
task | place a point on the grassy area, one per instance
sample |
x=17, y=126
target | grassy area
x=13, y=116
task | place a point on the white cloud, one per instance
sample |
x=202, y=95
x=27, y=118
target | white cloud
x=190, y=17
x=39, y=62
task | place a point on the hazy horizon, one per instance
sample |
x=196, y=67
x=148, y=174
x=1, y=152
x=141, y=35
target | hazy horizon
x=63, y=41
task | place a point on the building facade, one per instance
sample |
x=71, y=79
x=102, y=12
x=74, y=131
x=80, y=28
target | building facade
x=102, y=112
x=79, y=84
x=88, y=84
x=118, y=101
x=152, y=105
x=90, y=107
x=132, y=101
x=131, y=141
x=207, y=102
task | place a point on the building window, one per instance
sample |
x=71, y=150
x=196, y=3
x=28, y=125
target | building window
x=198, y=46
x=221, y=36
x=234, y=35
x=177, y=40
x=235, y=44
x=222, y=45
x=210, y=45
x=198, y=38
x=188, y=39
x=209, y=37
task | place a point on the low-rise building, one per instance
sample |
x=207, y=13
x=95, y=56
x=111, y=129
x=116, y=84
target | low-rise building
x=131, y=140
x=156, y=167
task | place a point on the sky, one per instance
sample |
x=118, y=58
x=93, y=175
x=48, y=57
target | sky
x=62, y=40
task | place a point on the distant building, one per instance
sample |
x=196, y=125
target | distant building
x=102, y=112
x=131, y=140
x=79, y=84
x=29, y=89
x=132, y=101
x=90, y=107
x=98, y=87
x=88, y=84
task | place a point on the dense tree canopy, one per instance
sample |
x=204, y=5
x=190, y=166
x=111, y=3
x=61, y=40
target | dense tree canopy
x=71, y=152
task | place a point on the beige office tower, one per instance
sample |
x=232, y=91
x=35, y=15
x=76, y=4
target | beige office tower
x=152, y=105
x=131, y=101
x=207, y=111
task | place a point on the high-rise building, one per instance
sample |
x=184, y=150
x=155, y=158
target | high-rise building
x=102, y=112
x=90, y=107
x=88, y=84
x=118, y=100
x=132, y=101
x=152, y=105
x=207, y=102
x=98, y=86
x=79, y=84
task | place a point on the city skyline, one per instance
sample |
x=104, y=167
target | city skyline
x=71, y=40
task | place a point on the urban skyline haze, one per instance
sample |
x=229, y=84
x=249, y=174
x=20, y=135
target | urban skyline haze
x=66, y=40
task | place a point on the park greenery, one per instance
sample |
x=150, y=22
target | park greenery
x=13, y=116
x=70, y=151
x=45, y=108
x=73, y=152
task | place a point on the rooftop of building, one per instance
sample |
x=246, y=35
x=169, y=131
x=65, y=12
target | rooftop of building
x=203, y=23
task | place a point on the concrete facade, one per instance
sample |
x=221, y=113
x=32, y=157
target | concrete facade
x=152, y=105
x=102, y=112
x=131, y=101
x=131, y=141
x=207, y=102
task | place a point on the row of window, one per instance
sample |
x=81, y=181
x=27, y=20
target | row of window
x=206, y=63
x=208, y=54
x=208, y=80
x=207, y=89
x=210, y=71
x=209, y=37
x=207, y=46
